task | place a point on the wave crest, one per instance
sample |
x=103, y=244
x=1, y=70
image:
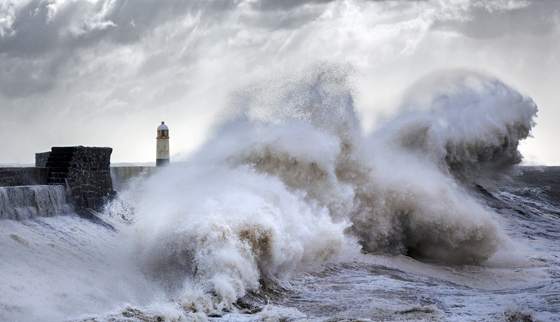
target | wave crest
x=469, y=122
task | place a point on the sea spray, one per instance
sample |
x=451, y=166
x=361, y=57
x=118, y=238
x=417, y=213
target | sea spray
x=223, y=229
x=455, y=128
x=288, y=181
x=398, y=201
x=23, y=202
x=469, y=123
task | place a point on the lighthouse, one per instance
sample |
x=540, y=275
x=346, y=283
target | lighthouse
x=162, y=157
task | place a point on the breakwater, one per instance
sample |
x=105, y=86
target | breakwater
x=64, y=179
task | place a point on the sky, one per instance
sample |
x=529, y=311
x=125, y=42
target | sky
x=107, y=72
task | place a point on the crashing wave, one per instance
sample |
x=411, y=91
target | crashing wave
x=289, y=180
x=468, y=122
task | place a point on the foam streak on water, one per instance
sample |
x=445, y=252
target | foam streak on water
x=291, y=211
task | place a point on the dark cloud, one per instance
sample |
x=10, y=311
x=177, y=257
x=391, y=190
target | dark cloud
x=23, y=78
x=31, y=34
x=45, y=36
x=86, y=66
x=136, y=17
x=37, y=29
x=538, y=18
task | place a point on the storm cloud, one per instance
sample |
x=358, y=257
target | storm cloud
x=106, y=72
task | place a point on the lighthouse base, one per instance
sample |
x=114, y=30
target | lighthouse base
x=162, y=162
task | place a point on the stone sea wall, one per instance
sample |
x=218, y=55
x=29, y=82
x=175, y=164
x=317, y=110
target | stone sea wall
x=10, y=177
x=123, y=176
x=83, y=174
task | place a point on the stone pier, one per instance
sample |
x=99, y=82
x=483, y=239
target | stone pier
x=84, y=173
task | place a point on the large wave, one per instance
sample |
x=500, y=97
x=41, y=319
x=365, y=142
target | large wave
x=289, y=180
x=467, y=122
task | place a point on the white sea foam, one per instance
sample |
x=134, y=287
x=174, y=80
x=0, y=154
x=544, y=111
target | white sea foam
x=63, y=267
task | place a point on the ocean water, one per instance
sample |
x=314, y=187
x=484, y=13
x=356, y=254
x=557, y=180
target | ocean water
x=291, y=212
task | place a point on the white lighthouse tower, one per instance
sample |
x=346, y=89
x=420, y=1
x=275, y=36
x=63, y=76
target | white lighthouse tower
x=162, y=157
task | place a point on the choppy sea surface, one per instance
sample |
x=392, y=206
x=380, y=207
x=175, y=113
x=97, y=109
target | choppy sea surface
x=290, y=212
